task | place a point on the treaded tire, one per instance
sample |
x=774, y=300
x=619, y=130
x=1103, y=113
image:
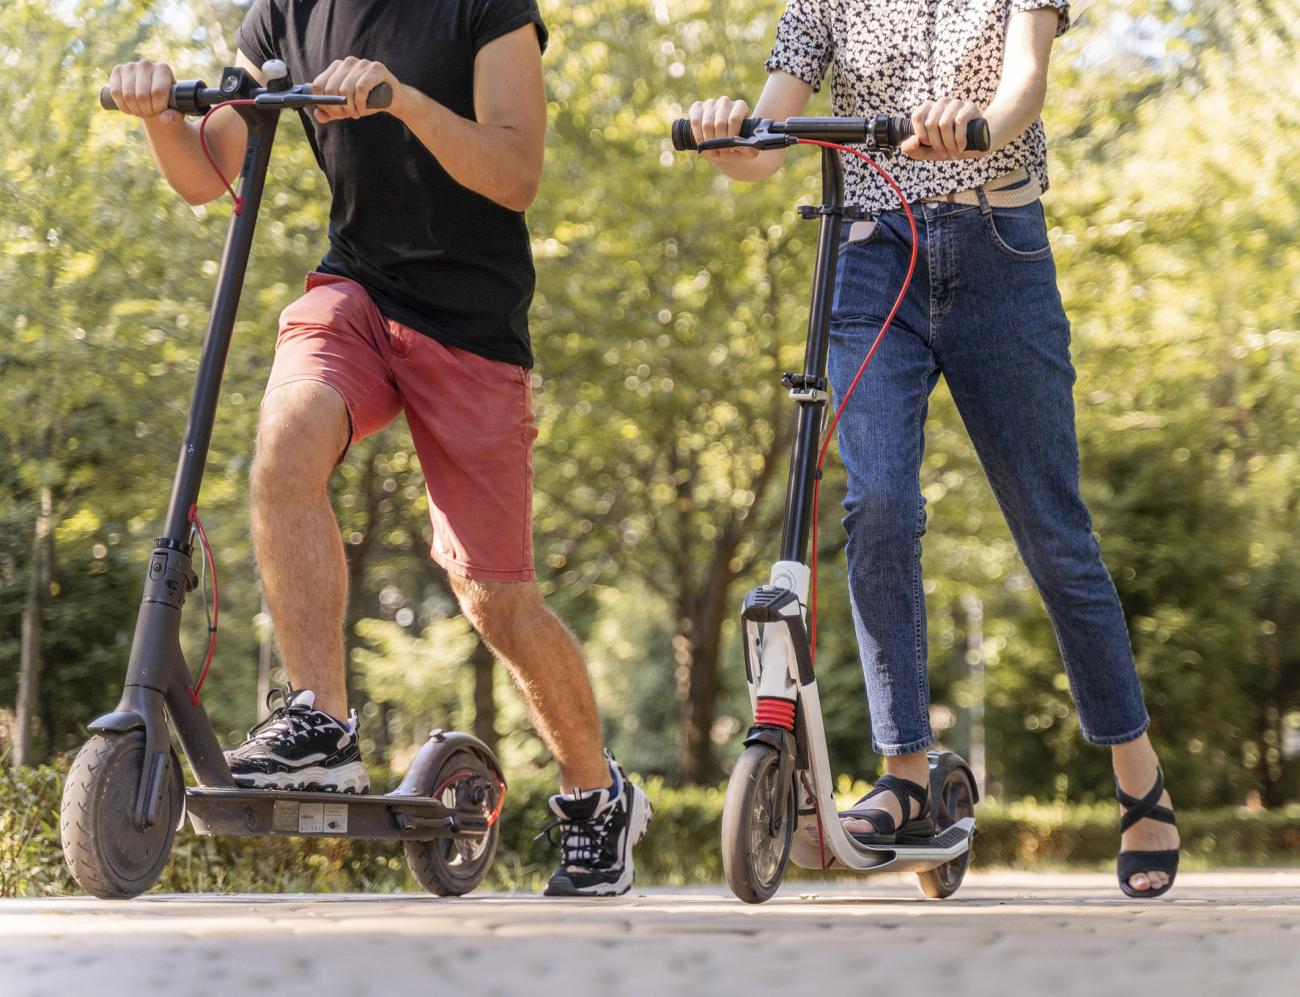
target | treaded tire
x=753, y=857
x=109, y=856
x=954, y=798
x=449, y=867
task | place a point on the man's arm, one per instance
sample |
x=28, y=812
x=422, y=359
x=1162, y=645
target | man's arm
x=499, y=155
x=940, y=125
x=140, y=89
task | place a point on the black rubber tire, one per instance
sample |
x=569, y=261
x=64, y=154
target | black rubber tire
x=449, y=867
x=109, y=856
x=754, y=854
x=954, y=798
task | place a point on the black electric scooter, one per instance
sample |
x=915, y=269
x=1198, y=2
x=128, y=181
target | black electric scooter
x=780, y=801
x=125, y=797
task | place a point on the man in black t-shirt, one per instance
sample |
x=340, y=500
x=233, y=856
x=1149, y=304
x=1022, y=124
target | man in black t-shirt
x=420, y=305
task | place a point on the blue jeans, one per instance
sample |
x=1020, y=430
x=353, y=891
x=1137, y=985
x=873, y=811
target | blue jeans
x=984, y=311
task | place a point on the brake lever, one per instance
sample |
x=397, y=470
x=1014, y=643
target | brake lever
x=297, y=98
x=759, y=140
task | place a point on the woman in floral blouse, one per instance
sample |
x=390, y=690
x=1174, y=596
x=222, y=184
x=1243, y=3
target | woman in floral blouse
x=984, y=312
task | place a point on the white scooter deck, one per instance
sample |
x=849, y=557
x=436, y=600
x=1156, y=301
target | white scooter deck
x=839, y=851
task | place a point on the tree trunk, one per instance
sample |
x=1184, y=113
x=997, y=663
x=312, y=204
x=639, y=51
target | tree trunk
x=973, y=611
x=358, y=556
x=696, y=648
x=485, y=701
x=38, y=597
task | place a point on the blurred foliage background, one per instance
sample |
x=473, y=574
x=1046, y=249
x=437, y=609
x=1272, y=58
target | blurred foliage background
x=669, y=303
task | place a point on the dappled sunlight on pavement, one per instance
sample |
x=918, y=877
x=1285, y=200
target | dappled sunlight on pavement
x=1018, y=933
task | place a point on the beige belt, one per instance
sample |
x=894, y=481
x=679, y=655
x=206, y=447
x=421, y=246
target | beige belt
x=992, y=193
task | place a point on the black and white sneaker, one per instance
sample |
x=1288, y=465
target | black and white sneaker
x=597, y=830
x=300, y=747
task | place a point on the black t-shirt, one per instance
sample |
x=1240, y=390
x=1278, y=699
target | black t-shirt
x=434, y=255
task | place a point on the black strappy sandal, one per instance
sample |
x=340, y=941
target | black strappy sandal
x=1129, y=864
x=913, y=832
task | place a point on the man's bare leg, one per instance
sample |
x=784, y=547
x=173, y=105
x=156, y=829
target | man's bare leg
x=547, y=667
x=302, y=430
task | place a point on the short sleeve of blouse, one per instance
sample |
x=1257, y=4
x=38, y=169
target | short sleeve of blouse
x=1062, y=8
x=804, y=45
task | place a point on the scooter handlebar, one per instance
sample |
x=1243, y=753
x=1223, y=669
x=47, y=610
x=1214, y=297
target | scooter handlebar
x=197, y=98
x=883, y=131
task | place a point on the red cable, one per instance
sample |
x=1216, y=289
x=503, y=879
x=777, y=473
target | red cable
x=216, y=604
x=203, y=144
x=830, y=430
x=194, y=509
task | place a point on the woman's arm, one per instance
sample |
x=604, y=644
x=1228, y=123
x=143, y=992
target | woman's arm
x=783, y=96
x=940, y=125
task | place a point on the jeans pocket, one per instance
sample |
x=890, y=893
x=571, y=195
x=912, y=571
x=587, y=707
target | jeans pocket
x=1020, y=233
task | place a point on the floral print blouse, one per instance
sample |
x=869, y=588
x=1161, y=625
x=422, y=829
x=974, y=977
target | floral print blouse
x=889, y=56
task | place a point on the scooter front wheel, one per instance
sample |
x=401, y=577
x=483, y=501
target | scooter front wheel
x=755, y=840
x=451, y=867
x=109, y=856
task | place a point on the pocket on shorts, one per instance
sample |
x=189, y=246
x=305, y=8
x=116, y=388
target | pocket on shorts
x=1020, y=233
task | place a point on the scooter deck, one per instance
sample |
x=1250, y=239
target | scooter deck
x=947, y=845
x=328, y=815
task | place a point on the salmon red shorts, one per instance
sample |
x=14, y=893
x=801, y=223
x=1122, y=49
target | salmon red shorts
x=471, y=419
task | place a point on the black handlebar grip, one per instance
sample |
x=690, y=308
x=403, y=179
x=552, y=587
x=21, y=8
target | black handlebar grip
x=106, y=100
x=380, y=96
x=684, y=138
x=977, y=132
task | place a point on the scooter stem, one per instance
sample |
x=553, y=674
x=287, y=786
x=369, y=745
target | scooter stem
x=225, y=304
x=812, y=397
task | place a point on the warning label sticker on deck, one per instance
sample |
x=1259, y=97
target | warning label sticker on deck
x=336, y=818
x=292, y=817
x=311, y=818
x=284, y=817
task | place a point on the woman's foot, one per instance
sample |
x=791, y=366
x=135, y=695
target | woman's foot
x=1136, y=771
x=914, y=768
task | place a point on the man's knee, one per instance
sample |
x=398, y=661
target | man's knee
x=500, y=611
x=301, y=432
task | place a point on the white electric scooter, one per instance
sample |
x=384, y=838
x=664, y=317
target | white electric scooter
x=780, y=802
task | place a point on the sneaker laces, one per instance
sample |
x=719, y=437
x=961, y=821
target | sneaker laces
x=284, y=721
x=582, y=841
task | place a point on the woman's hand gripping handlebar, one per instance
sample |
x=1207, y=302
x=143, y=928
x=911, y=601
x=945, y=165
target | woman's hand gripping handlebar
x=883, y=132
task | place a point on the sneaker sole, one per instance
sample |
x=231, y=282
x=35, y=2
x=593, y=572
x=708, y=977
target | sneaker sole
x=638, y=823
x=350, y=778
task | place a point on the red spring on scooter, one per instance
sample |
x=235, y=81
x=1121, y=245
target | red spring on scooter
x=775, y=712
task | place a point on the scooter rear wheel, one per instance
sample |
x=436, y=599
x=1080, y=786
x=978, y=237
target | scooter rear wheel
x=755, y=845
x=109, y=856
x=451, y=867
x=954, y=799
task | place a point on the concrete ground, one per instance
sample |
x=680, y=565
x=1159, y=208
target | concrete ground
x=1229, y=933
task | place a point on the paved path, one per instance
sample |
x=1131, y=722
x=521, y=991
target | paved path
x=1224, y=934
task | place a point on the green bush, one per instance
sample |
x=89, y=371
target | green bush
x=681, y=848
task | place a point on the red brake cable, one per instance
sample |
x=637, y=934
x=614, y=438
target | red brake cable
x=203, y=144
x=839, y=411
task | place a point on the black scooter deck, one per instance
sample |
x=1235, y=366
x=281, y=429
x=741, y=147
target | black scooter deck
x=328, y=815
